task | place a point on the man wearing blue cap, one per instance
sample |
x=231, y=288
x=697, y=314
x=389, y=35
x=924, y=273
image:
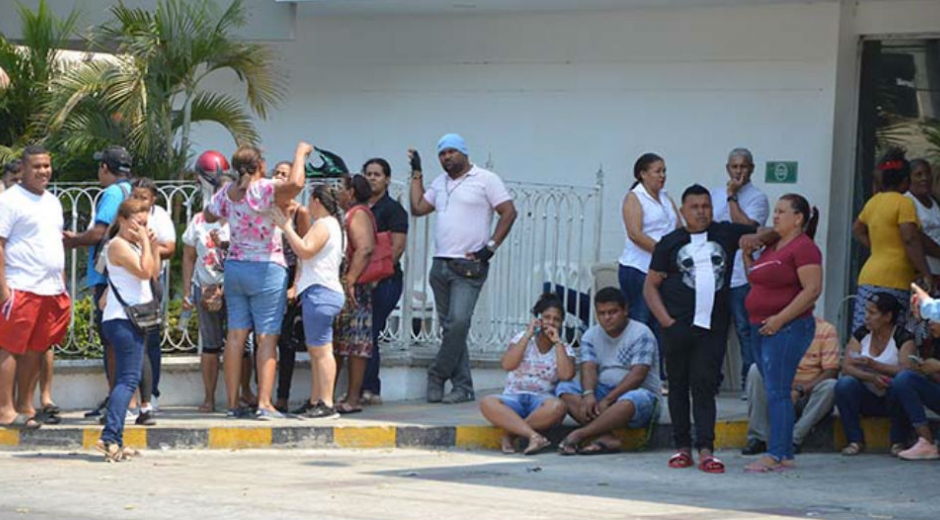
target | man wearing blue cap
x=464, y=199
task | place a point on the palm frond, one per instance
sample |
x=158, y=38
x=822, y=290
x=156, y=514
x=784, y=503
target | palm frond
x=224, y=110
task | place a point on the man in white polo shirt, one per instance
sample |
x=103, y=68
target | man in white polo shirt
x=34, y=305
x=464, y=199
x=740, y=202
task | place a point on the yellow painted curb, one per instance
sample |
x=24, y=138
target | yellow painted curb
x=730, y=434
x=9, y=437
x=89, y=437
x=134, y=437
x=632, y=439
x=238, y=438
x=486, y=437
x=364, y=437
x=877, y=433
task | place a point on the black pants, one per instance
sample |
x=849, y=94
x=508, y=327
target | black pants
x=290, y=340
x=693, y=356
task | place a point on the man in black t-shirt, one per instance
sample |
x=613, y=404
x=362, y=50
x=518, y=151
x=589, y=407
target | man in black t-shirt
x=391, y=217
x=687, y=291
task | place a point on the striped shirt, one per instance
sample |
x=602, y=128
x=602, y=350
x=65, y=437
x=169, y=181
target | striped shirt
x=822, y=354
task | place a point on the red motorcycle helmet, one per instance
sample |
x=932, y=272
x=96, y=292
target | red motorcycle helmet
x=211, y=166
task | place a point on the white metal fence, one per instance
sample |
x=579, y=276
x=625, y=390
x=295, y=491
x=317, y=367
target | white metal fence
x=554, y=242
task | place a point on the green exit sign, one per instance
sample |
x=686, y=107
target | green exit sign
x=781, y=172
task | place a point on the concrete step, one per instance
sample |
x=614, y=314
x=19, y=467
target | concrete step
x=410, y=424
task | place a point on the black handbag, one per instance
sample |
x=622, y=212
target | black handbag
x=145, y=317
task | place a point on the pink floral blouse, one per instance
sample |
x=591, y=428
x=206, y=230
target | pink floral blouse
x=254, y=235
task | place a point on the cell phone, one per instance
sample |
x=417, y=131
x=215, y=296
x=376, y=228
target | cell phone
x=917, y=360
x=538, y=328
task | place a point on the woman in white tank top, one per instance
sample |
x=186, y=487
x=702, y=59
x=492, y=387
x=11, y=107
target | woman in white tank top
x=648, y=215
x=877, y=352
x=132, y=259
x=928, y=211
x=320, y=255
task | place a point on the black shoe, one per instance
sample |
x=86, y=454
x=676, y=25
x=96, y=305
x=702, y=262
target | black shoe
x=797, y=449
x=754, y=447
x=99, y=410
x=303, y=408
x=435, y=390
x=145, y=419
x=321, y=411
x=458, y=396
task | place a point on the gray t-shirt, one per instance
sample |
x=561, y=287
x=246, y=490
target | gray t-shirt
x=636, y=345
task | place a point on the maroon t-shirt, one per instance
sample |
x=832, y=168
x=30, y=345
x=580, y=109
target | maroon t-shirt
x=774, y=280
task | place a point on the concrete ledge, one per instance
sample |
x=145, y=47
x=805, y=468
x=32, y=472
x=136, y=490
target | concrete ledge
x=289, y=433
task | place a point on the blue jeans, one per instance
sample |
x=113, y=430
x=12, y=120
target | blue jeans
x=128, y=347
x=914, y=391
x=778, y=357
x=853, y=400
x=523, y=404
x=455, y=297
x=155, y=354
x=742, y=326
x=384, y=298
x=644, y=401
x=631, y=286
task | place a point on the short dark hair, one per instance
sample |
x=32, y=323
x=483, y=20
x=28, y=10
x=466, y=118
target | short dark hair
x=895, y=169
x=31, y=150
x=695, y=189
x=145, y=183
x=610, y=295
x=547, y=301
x=13, y=166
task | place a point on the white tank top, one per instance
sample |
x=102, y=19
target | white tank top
x=659, y=219
x=133, y=290
x=323, y=267
x=888, y=356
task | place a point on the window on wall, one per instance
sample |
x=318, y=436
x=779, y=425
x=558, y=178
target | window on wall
x=899, y=105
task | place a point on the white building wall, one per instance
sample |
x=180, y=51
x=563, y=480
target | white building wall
x=551, y=97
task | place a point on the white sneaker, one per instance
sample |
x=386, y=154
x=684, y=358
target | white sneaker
x=130, y=416
x=923, y=450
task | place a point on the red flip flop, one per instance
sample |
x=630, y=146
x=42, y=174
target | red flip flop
x=681, y=460
x=711, y=464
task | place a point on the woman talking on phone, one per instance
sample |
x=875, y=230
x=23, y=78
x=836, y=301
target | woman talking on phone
x=536, y=360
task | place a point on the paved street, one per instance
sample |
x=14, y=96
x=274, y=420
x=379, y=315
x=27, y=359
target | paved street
x=413, y=484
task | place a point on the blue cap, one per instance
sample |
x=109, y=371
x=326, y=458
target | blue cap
x=452, y=141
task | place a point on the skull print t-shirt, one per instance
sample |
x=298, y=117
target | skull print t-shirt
x=674, y=256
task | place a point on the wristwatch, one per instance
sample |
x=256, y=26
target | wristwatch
x=491, y=245
x=585, y=393
x=732, y=198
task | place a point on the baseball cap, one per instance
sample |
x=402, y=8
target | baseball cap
x=117, y=159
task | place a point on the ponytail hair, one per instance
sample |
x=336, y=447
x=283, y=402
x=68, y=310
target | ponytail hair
x=810, y=214
x=247, y=160
x=362, y=191
x=895, y=168
x=547, y=301
x=641, y=165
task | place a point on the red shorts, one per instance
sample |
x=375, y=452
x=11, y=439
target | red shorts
x=34, y=322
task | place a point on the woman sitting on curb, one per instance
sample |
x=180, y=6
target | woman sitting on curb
x=877, y=352
x=536, y=360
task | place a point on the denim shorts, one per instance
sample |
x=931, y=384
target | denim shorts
x=320, y=307
x=644, y=401
x=523, y=404
x=255, y=295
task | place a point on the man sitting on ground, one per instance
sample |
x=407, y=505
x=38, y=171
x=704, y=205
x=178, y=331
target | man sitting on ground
x=813, y=391
x=617, y=387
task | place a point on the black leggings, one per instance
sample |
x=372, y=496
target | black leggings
x=693, y=356
x=291, y=339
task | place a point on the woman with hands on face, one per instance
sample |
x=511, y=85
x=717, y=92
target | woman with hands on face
x=536, y=360
x=877, y=352
x=132, y=259
x=786, y=281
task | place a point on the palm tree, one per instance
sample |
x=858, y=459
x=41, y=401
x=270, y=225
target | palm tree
x=29, y=68
x=150, y=92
